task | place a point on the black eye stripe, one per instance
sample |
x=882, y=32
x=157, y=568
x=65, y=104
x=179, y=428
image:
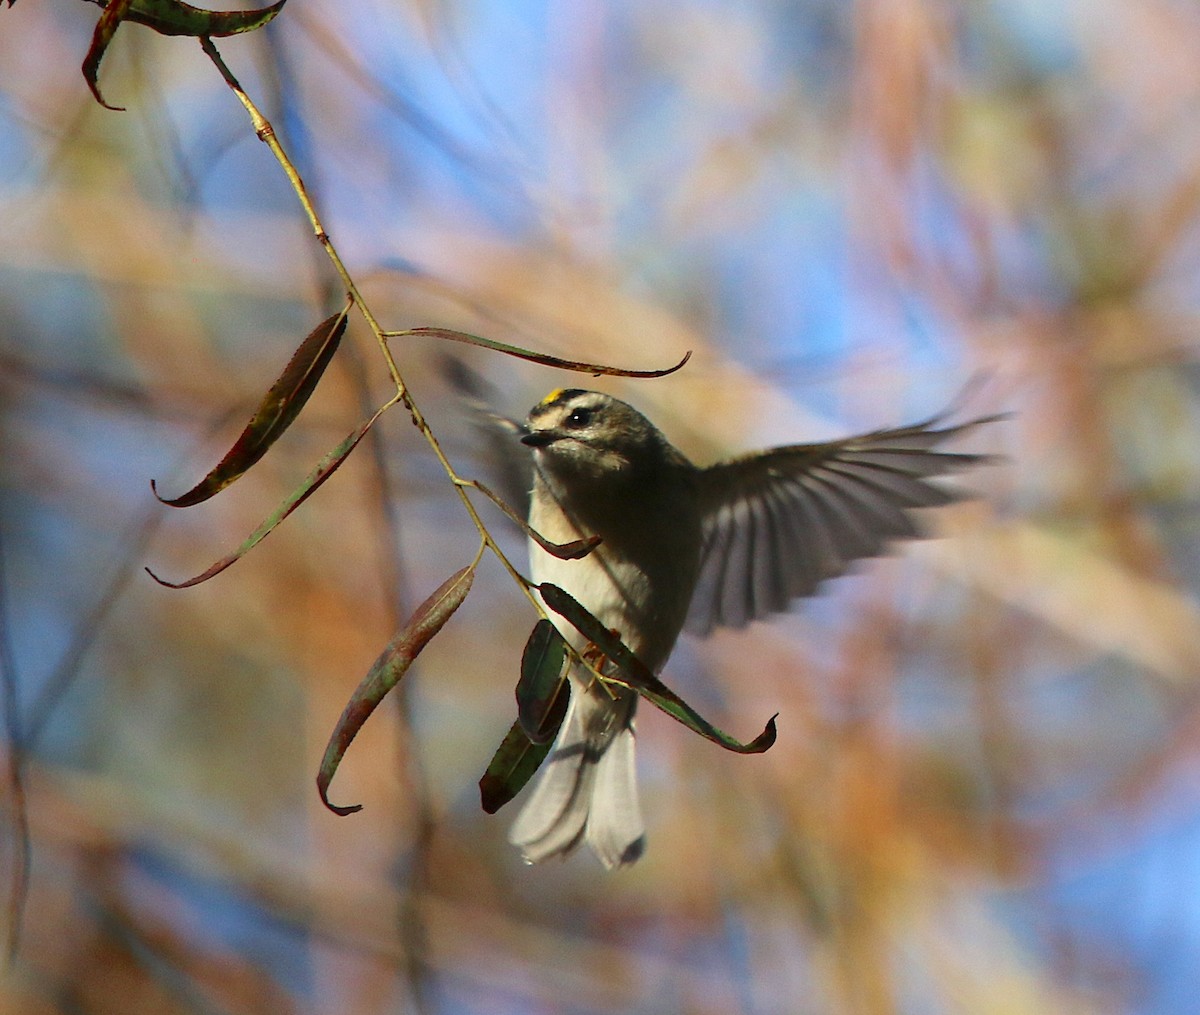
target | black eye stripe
x=580, y=417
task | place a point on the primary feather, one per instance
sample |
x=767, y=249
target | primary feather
x=779, y=522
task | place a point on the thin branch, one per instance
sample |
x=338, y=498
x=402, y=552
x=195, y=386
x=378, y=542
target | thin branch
x=19, y=882
x=266, y=134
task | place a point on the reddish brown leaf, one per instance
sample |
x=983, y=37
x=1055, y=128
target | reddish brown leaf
x=576, y=549
x=325, y=468
x=101, y=37
x=275, y=413
x=595, y=369
x=392, y=664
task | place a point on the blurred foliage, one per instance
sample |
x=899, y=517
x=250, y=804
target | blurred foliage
x=982, y=795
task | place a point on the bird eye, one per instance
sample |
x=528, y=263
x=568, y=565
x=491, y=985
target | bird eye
x=578, y=418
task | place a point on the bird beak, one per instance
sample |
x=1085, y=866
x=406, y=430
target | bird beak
x=540, y=438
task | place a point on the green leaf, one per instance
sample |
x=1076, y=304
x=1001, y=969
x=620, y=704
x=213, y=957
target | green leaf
x=542, y=690
x=174, y=17
x=511, y=767
x=167, y=17
x=276, y=412
x=428, y=618
x=542, y=697
x=595, y=369
x=633, y=673
x=324, y=469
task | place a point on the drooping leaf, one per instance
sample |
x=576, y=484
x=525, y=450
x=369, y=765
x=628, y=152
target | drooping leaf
x=167, y=17
x=595, y=369
x=576, y=549
x=276, y=412
x=102, y=35
x=325, y=468
x=511, y=767
x=542, y=690
x=428, y=618
x=633, y=673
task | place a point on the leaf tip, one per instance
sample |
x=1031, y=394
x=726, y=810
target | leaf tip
x=161, y=581
x=338, y=809
x=678, y=366
x=89, y=74
x=584, y=547
x=491, y=796
x=766, y=739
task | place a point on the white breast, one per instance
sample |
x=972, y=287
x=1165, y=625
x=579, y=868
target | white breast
x=638, y=582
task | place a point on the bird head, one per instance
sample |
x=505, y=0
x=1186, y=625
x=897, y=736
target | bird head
x=589, y=433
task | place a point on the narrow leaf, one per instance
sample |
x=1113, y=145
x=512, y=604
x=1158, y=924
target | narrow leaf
x=542, y=690
x=102, y=35
x=167, y=17
x=635, y=674
x=511, y=767
x=428, y=618
x=174, y=17
x=325, y=468
x=595, y=369
x=275, y=413
x=574, y=550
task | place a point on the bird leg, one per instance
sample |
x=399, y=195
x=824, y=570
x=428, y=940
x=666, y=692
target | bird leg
x=594, y=656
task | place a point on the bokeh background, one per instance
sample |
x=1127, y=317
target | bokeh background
x=985, y=793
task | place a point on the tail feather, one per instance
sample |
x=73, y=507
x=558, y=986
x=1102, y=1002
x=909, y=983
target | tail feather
x=587, y=789
x=615, y=829
x=552, y=821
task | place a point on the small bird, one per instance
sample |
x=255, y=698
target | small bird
x=688, y=548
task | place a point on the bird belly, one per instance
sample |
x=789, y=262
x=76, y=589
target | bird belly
x=641, y=592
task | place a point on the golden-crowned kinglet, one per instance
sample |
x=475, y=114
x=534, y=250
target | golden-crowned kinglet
x=684, y=547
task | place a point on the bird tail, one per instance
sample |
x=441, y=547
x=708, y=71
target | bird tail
x=587, y=790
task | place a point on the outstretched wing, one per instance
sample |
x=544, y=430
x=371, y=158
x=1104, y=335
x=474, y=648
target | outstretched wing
x=778, y=523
